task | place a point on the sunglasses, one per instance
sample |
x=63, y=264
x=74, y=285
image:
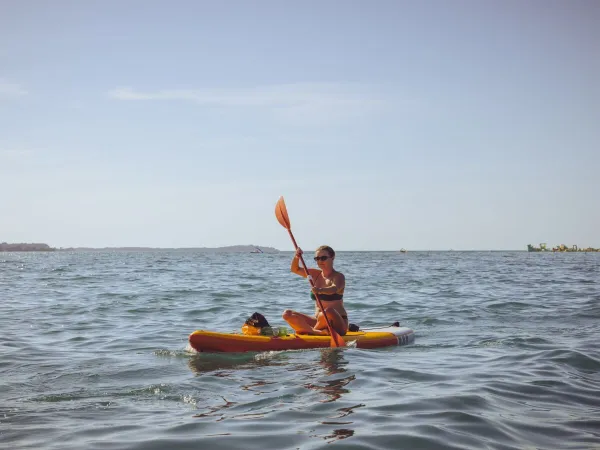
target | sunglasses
x=321, y=258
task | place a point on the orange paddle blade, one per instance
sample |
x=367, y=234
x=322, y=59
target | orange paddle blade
x=281, y=214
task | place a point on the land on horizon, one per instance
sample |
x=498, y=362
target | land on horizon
x=39, y=247
x=250, y=248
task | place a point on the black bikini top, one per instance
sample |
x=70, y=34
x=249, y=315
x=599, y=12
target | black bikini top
x=327, y=297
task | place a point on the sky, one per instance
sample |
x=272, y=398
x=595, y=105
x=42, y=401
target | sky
x=430, y=125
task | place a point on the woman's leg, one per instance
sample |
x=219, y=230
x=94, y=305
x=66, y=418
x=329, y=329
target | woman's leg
x=338, y=323
x=301, y=323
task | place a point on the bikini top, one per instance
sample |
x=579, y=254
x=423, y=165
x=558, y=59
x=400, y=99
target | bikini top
x=327, y=297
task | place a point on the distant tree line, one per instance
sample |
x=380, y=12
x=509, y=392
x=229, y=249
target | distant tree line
x=22, y=247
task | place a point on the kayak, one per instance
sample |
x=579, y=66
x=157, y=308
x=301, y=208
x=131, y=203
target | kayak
x=211, y=341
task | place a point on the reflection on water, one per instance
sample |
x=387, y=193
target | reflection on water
x=257, y=384
x=217, y=410
x=323, y=371
x=332, y=360
x=334, y=364
x=333, y=389
x=202, y=363
x=341, y=433
x=343, y=413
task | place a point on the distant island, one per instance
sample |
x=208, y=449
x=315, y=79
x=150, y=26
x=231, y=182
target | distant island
x=23, y=247
x=231, y=249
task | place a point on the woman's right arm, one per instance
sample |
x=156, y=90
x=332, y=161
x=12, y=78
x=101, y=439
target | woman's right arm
x=295, y=268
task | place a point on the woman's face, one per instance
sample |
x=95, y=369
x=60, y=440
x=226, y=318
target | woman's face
x=323, y=259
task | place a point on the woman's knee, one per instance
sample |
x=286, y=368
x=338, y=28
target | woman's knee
x=336, y=320
x=287, y=314
x=332, y=312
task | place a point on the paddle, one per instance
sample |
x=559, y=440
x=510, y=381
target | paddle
x=283, y=218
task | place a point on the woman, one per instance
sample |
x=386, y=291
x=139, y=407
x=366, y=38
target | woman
x=329, y=286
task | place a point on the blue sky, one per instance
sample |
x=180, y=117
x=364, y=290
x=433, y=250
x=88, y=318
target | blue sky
x=385, y=125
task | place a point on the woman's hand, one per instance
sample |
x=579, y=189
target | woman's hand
x=295, y=267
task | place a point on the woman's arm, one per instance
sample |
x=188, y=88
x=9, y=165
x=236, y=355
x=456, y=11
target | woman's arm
x=338, y=284
x=295, y=268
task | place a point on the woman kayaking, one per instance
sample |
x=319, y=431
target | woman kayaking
x=329, y=286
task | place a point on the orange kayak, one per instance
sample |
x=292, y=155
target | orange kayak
x=210, y=341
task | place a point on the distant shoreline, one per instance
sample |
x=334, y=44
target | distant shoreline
x=231, y=248
x=23, y=247
x=37, y=247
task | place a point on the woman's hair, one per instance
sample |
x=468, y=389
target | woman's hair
x=328, y=249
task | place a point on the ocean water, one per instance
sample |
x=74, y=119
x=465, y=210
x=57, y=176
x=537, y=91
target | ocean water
x=94, y=354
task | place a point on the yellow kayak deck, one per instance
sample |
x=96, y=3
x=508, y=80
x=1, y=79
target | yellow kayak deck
x=210, y=341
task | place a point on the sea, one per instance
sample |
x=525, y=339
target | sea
x=94, y=353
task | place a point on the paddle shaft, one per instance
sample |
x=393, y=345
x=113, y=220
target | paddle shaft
x=312, y=283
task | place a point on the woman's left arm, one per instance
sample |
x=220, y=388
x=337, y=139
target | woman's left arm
x=337, y=285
